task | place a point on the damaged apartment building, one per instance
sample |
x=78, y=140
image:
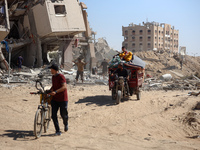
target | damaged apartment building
x=33, y=28
x=151, y=36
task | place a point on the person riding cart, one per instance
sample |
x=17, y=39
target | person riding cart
x=121, y=72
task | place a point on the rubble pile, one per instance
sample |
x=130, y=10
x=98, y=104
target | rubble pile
x=103, y=51
x=163, y=62
x=159, y=74
x=171, y=84
x=27, y=75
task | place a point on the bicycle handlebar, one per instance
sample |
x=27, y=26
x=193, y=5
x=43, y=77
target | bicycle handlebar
x=36, y=92
x=40, y=92
x=36, y=85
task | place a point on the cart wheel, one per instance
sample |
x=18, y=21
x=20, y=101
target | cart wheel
x=114, y=94
x=119, y=95
x=131, y=91
x=138, y=95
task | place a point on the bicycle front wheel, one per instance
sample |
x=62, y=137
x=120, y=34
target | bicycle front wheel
x=38, y=123
x=47, y=118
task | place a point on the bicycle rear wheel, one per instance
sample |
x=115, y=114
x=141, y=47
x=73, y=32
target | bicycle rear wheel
x=38, y=123
x=47, y=118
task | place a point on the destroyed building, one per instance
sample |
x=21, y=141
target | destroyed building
x=103, y=51
x=32, y=28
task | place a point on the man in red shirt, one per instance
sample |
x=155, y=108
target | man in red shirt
x=60, y=98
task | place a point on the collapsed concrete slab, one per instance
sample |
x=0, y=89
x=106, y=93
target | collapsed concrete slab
x=103, y=51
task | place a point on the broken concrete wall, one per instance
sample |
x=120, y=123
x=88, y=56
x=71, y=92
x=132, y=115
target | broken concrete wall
x=103, y=51
x=35, y=47
x=90, y=57
x=24, y=27
x=67, y=57
x=88, y=30
x=3, y=62
x=44, y=54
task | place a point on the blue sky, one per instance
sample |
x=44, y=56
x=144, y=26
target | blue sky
x=106, y=17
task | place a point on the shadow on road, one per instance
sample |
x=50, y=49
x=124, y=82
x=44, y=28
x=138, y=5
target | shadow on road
x=100, y=100
x=18, y=134
x=22, y=135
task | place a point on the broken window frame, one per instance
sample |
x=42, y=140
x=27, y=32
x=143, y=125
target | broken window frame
x=60, y=10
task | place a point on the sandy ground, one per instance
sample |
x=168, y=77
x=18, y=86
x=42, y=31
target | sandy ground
x=157, y=121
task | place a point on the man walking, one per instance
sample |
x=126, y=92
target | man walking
x=80, y=66
x=104, y=65
x=60, y=98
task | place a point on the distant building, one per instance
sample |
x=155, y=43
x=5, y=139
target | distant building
x=150, y=36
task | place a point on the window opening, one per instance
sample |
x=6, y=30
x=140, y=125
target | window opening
x=60, y=10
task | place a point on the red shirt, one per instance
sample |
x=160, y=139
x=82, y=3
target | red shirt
x=57, y=81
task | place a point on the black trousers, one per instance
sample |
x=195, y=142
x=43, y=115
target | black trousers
x=63, y=112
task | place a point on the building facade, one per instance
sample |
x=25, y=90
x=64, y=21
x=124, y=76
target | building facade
x=150, y=36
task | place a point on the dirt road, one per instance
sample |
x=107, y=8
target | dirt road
x=160, y=120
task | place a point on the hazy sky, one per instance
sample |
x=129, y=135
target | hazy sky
x=106, y=17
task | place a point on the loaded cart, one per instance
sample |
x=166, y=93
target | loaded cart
x=120, y=87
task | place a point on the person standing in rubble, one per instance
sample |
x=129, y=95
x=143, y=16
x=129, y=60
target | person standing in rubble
x=104, y=65
x=19, y=62
x=60, y=98
x=80, y=66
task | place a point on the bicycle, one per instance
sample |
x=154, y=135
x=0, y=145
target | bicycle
x=42, y=116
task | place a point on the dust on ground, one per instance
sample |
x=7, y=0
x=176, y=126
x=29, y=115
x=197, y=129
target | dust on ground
x=160, y=120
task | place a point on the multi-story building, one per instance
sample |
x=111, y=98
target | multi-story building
x=150, y=36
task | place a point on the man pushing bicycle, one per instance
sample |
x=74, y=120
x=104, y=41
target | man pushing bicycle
x=60, y=98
